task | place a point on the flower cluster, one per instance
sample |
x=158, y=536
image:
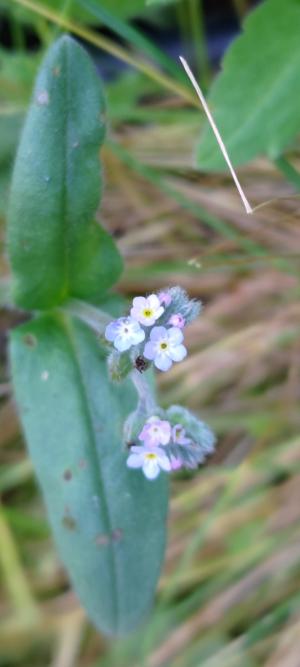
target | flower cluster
x=169, y=447
x=153, y=330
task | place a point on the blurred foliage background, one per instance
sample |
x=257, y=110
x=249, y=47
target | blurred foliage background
x=229, y=594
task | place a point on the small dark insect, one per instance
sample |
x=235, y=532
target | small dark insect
x=141, y=364
x=130, y=444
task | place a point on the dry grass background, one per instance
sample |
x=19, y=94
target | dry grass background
x=229, y=594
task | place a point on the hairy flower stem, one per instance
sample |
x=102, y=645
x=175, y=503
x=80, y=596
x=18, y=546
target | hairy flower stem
x=95, y=318
x=146, y=404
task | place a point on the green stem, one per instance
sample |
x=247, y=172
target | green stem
x=64, y=13
x=183, y=23
x=17, y=34
x=197, y=33
x=287, y=169
x=95, y=318
x=147, y=404
x=44, y=31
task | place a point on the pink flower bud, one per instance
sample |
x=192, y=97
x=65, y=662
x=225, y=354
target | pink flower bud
x=177, y=320
x=164, y=298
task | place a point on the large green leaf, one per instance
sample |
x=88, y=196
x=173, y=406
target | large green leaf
x=109, y=521
x=256, y=98
x=55, y=247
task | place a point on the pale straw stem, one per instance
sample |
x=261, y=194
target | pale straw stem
x=217, y=134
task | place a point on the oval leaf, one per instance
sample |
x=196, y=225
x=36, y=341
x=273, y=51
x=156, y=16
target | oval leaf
x=256, y=98
x=56, y=249
x=108, y=520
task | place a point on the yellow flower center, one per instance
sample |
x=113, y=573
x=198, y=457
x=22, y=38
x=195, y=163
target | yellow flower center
x=150, y=456
x=163, y=346
x=148, y=312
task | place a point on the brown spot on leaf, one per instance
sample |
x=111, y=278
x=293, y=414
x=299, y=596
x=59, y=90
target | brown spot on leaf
x=69, y=523
x=29, y=340
x=67, y=475
x=56, y=70
x=82, y=464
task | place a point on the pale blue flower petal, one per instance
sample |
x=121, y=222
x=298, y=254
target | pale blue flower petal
x=177, y=353
x=149, y=351
x=154, y=302
x=165, y=463
x=162, y=362
x=137, y=449
x=139, y=336
x=135, y=461
x=175, y=336
x=112, y=330
x=158, y=333
x=151, y=469
x=121, y=343
x=139, y=301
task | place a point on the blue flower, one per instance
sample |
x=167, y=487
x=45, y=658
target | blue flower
x=155, y=432
x=164, y=347
x=152, y=461
x=146, y=310
x=124, y=333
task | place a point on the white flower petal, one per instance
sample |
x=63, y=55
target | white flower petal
x=159, y=312
x=165, y=463
x=177, y=353
x=162, y=362
x=175, y=336
x=153, y=302
x=151, y=468
x=132, y=324
x=137, y=449
x=139, y=302
x=138, y=336
x=135, y=461
x=121, y=343
x=146, y=320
